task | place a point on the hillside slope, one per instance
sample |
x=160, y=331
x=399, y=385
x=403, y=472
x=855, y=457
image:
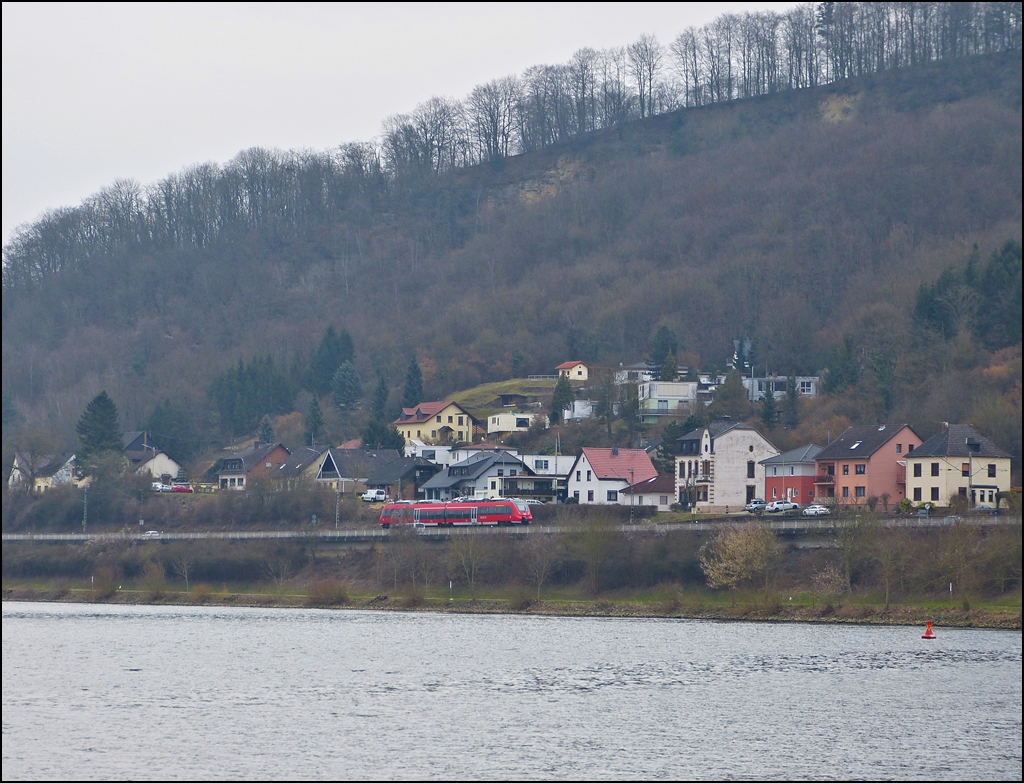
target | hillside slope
x=805, y=221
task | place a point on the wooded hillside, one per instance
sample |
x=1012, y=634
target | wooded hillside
x=806, y=220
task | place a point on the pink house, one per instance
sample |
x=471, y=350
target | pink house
x=865, y=462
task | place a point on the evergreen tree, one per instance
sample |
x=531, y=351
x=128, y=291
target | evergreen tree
x=346, y=388
x=412, y=393
x=335, y=349
x=731, y=397
x=314, y=422
x=669, y=370
x=172, y=430
x=561, y=398
x=769, y=411
x=266, y=430
x=665, y=457
x=99, y=430
x=379, y=403
x=664, y=342
x=791, y=414
x=246, y=392
x=380, y=434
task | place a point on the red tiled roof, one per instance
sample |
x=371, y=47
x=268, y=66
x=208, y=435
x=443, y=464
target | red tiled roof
x=609, y=465
x=355, y=443
x=568, y=365
x=422, y=412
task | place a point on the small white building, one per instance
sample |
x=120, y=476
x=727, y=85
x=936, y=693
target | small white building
x=575, y=371
x=598, y=476
x=757, y=388
x=718, y=467
x=657, y=492
x=510, y=421
x=439, y=455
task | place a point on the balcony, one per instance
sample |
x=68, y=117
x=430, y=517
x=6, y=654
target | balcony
x=827, y=478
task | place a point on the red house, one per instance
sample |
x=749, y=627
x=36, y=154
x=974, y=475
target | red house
x=790, y=476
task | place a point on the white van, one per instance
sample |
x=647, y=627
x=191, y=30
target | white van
x=375, y=496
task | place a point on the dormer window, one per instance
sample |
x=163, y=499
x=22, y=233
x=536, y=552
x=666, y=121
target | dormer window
x=855, y=445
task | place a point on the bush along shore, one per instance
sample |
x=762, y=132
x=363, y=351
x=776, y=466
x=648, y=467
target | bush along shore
x=859, y=571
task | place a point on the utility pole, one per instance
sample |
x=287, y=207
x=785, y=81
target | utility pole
x=85, y=508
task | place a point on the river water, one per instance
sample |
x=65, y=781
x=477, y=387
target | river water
x=96, y=691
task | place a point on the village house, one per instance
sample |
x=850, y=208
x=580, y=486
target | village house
x=790, y=476
x=658, y=492
x=758, y=388
x=402, y=478
x=241, y=468
x=436, y=423
x=598, y=476
x=43, y=473
x=144, y=456
x=658, y=399
x=717, y=466
x=346, y=470
x=439, y=455
x=575, y=371
x=507, y=422
x=865, y=462
x=958, y=462
x=480, y=476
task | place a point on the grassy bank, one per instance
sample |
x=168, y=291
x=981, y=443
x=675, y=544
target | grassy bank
x=678, y=604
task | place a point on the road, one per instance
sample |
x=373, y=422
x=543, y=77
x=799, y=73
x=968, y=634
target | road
x=787, y=526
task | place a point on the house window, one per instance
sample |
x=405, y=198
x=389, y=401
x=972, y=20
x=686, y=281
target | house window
x=418, y=433
x=241, y=481
x=231, y=482
x=451, y=419
x=494, y=485
x=460, y=434
x=935, y=493
x=806, y=387
x=860, y=470
x=588, y=475
x=860, y=491
x=433, y=433
x=899, y=448
x=792, y=471
x=846, y=470
x=438, y=419
x=992, y=470
x=512, y=471
x=460, y=421
x=662, y=500
x=577, y=475
x=775, y=472
x=846, y=492
x=501, y=472
x=613, y=496
x=750, y=468
x=917, y=494
x=576, y=495
x=935, y=468
x=540, y=464
x=775, y=493
x=910, y=447
x=682, y=470
x=965, y=469
x=590, y=496
x=917, y=470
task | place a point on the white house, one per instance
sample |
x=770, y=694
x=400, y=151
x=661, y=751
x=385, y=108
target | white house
x=510, y=421
x=757, y=388
x=440, y=455
x=658, y=492
x=598, y=476
x=717, y=467
x=575, y=371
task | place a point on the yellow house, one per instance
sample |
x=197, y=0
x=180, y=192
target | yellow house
x=436, y=422
x=958, y=461
x=574, y=371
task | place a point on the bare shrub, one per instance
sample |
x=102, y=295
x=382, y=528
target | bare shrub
x=329, y=592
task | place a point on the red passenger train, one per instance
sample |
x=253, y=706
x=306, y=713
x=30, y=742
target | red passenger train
x=499, y=511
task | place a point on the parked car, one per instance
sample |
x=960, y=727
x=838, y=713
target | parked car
x=985, y=508
x=159, y=486
x=375, y=496
x=755, y=506
x=151, y=534
x=816, y=510
x=181, y=488
x=781, y=505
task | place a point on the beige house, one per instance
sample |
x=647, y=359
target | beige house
x=435, y=422
x=42, y=473
x=510, y=421
x=958, y=461
x=575, y=371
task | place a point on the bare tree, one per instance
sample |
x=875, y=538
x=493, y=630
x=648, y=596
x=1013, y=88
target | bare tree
x=645, y=56
x=183, y=563
x=469, y=553
x=740, y=554
x=539, y=553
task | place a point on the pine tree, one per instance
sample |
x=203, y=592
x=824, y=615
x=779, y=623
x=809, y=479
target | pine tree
x=379, y=403
x=665, y=458
x=266, y=430
x=314, y=422
x=562, y=398
x=669, y=369
x=346, y=388
x=380, y=434
x=769, y=411
x=335, y=349
x=171, y=428
x=412, y=393
x=663, y=343
x=98, y=429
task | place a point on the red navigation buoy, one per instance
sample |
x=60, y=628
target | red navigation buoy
x=928, y=632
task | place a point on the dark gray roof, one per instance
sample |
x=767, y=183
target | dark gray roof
x=359, y=463
x=301, y=457
x=716, y=428
x=793, y=456
x=861, y=442
x=471, y=469
x=404, y=468
x=959, y=440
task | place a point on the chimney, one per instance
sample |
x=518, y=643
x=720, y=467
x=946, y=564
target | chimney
x=615, y=451
x=945, y=426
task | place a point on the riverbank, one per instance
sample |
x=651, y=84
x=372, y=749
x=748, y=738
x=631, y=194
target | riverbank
x=758, y=611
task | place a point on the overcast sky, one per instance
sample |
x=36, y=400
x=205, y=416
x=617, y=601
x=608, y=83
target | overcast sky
x=96, y=92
